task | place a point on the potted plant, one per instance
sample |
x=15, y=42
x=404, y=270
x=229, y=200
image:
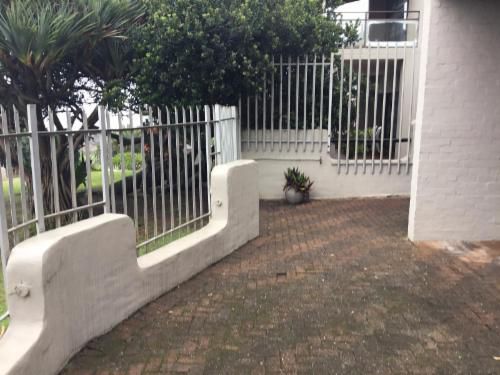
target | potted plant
x=297, y=186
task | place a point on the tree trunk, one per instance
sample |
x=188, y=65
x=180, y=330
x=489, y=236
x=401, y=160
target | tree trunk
x=63, y=179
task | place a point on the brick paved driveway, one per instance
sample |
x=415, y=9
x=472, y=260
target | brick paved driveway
x=329, y=287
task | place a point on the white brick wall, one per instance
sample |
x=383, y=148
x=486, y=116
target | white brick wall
x=456, y=175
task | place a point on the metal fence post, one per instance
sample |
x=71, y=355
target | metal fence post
x=4, y=234
x=219, y=157
x=208, y=150
x=330, y=104
x=235, y=133
x=104, y=159
x=238, y=131
x=35, y=168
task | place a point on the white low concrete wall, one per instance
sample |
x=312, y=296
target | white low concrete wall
x=72, y=284
x=328, y=183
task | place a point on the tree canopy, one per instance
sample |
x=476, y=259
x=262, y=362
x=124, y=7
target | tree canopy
x=213, y=51
x=52, y=52
x=153, y=51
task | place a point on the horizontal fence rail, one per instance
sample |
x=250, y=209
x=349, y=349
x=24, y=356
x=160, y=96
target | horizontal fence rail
x=152, y=165
x=357, y=105
x=395, y=28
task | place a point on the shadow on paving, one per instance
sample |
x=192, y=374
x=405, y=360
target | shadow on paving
x=329, y=287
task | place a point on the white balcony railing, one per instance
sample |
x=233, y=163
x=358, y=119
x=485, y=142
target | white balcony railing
x=395, y=29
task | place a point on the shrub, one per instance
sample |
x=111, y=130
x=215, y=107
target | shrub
x=297, y=180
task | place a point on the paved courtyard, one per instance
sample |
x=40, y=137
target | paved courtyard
x=330, y=287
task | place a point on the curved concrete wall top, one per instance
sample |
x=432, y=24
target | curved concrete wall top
x=74, y=283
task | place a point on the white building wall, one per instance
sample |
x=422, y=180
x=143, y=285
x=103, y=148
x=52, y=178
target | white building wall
x=323, y=170
x=456, y=176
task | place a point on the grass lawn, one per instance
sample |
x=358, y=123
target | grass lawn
x=17, y=187
x=165, y=240
x=3, y=306
x=96, y=177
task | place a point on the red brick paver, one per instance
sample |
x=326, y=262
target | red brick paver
x=330, y=287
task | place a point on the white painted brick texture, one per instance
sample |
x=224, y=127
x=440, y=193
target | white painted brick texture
x=456, y=178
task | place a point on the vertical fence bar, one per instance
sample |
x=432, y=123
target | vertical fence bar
x=358, y=104
x=134, y=173
x=402, y=83
x=281, y=103
x=170, y=173
x=104, y=160
x=218, y=134
x=297, y=88
x=222, y=138
x=374, y=130
x=88, y=170
x=152, y=150
x=53, y=160
x=234, y=132
x=122, y=164
x=384, y=98
x=22, y=174
x=305, y=104
x=10, y=174
x=393, y=105
x=264, y=113
x=410, y=112
x=238, y=128
x=330, y=103
x=321, y=103
x=36, y=168
x=110, y=164
x=110, y=170
x=289, y=87
x=256, y=124
x=367, y=101
x=365, y=39
x=178, y=166
x=185, y=162
x=313, y=138
x=248, y=123
x=4, y=234
x=200, y=158
x=227, y=134
x=162, y=173
x=272, y=107
x=341, y=102
x=193, y=171
x=348, y=136
x=208, y=137
x=144, y=175
x=71, y=151
x=230, y=128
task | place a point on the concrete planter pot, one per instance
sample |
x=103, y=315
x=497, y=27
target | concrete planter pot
x=293, y=196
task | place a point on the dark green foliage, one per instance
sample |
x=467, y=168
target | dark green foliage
x=213, y=51
x=52, y=51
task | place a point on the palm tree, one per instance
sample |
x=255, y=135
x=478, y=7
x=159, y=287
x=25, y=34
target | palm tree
x=53, y=51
